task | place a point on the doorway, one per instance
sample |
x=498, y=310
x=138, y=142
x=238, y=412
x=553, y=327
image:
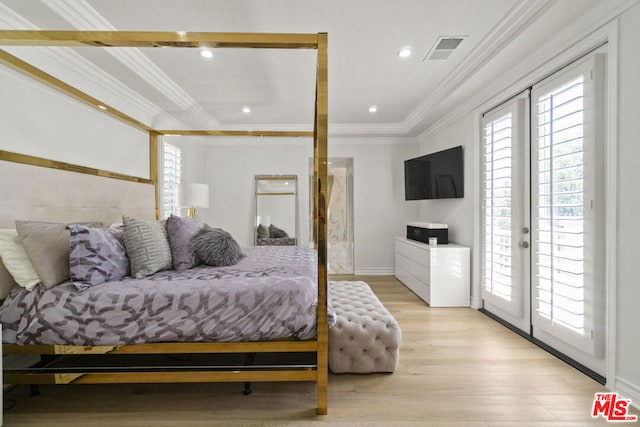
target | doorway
x=340, y=236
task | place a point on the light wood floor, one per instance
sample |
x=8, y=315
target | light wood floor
x=457, y=368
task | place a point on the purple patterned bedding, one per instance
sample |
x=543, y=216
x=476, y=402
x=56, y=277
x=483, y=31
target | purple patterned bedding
x=270, y=294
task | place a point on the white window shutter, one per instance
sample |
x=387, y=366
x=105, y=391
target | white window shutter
x=171, y=178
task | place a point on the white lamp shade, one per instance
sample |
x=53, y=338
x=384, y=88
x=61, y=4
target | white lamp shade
x=193, y=195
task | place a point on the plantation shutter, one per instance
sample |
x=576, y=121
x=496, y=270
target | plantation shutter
x=171, y=178
x=564, y=205
x=502, y=216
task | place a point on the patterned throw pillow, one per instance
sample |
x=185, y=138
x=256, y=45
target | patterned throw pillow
x=47, y=246
x=215, y=246
x=181, y=231
x=96, y=255
x=147, y=246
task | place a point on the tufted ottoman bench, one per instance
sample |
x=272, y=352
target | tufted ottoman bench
x=365, y=338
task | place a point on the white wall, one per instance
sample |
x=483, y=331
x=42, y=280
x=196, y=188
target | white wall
x=457, y=213
x=229, y=166
x=628, y=206
x=43, y=122
x=193, y=163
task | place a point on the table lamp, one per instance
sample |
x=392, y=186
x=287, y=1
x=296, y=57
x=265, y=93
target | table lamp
x=192, y=196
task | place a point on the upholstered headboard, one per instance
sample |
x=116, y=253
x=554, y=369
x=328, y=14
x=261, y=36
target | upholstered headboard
x=44, y=194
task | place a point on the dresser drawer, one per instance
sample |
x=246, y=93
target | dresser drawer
x=403, y=262
x=417, y=254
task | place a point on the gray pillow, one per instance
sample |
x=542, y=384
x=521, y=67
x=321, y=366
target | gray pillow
x=181, y=231
x=215, y=246
x=263, y=231
x=147, y=246
x=47, y=246
x=276, y=232
x=96, y=255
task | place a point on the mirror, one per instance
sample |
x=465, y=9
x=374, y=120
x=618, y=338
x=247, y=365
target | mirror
x=276, y=209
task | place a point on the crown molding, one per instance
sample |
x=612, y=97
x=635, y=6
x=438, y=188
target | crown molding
x=375, y=129
x=10, y=19
x=568, y=46
x=244, y=141
x=510, y=26
x=84, y=69
x=335, y=129
x=373, y=140
x=83, y=16
x=279, y=141
x=294, y=127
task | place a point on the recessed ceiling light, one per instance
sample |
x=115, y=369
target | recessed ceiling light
x=206, y=53
x=405, y=52
x=246, y=110
x=373, y=109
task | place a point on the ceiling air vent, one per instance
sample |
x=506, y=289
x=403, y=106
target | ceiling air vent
x=443, y=47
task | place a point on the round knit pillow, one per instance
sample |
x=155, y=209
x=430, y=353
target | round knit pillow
x=214, y=246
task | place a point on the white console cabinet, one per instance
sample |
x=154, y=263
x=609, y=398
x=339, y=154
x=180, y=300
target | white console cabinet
x=437, y=274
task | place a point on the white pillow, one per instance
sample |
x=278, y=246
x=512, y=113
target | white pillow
x=15, y=259
x=6, y=281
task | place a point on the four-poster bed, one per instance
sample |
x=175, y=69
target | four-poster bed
x=317, y=372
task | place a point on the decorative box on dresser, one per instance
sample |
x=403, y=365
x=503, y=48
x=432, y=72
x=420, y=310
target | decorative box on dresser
x=440, y=274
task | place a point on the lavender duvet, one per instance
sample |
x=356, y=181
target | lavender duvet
x=270, y=294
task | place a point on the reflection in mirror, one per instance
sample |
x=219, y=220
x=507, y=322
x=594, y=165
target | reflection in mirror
x=276, y=209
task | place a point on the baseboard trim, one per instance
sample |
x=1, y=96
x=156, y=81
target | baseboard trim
x=375, y=271
x=566, y=359
x=628, y=391
x=476, y=303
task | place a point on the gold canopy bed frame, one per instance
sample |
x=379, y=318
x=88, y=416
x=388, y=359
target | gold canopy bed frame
x=317, y=373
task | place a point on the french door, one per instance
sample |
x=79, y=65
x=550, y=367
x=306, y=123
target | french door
x=543, y=218
x=505, y=203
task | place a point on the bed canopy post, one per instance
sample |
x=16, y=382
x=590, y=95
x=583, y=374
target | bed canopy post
x=320, y=214
x=153, y=167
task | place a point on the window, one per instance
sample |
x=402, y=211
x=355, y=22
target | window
x=171, y=177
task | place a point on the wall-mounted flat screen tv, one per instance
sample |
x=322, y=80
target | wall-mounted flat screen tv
x=437, y=175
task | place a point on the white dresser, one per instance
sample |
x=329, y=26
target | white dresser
x=437, y=274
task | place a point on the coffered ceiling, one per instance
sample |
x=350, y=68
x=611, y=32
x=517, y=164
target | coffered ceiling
x=178, y=88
